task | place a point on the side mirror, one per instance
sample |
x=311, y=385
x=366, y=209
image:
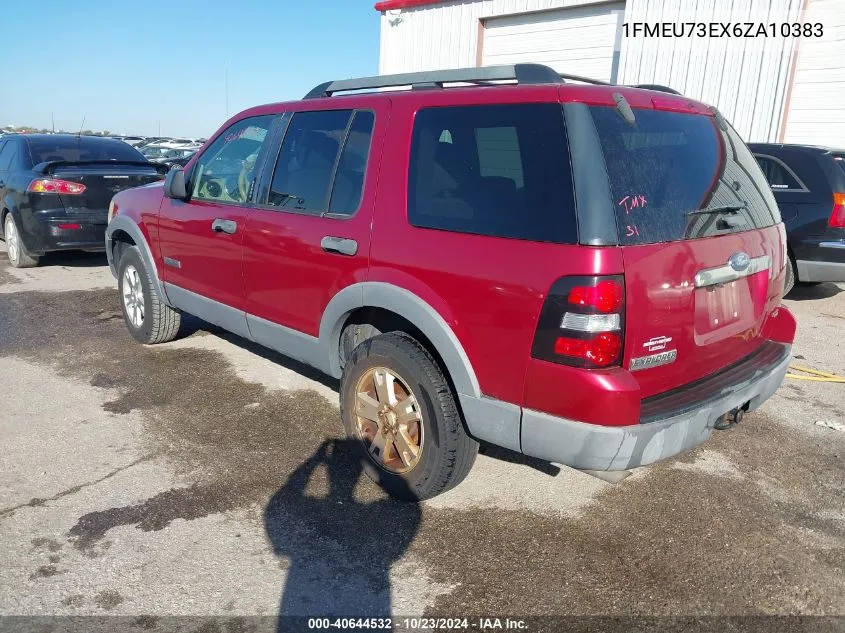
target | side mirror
x=174, y=184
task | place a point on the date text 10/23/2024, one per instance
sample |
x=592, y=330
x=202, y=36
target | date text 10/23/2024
x=419, y=624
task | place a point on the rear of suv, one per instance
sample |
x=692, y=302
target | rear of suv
x=808, y=183
x=587, y=274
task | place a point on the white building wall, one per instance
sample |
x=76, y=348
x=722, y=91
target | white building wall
x=815, y=111
x=446, y=35
x=745, y=78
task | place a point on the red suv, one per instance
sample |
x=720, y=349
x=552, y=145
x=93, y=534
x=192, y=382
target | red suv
x=587, y=274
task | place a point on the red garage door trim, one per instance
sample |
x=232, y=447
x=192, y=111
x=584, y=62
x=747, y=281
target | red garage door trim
x=387, y=5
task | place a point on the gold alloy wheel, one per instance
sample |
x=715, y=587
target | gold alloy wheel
x=389, y=420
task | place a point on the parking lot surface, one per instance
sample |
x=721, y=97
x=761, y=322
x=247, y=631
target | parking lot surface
x=208, y=476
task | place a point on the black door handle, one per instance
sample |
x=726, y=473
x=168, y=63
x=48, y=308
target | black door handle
x=224, y=226
x=339, y=245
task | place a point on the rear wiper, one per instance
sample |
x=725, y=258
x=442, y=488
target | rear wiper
x=728, y=208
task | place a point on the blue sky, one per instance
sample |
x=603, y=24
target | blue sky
x=127, y=65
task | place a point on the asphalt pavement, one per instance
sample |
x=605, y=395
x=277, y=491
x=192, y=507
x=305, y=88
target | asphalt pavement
x=209, y=477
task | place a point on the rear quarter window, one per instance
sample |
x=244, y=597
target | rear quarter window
x=667, y=166
x=497, y=170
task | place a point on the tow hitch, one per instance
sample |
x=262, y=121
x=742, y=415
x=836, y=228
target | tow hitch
x=731, y=418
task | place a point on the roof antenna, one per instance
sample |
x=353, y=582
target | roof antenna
x=81, y=125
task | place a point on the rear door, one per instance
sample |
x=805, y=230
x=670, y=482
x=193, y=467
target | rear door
x=201, y=238
x=5, y=161
x=700, y=241
x=309, y=236
x=789, y=190
x=802, y=193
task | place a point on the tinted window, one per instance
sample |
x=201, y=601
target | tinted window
x=7, y=152
x=74, y=148
x=840, y=160
x=349, y=180
x=225, y=170
x=669, y=164
x=306, y=162
x=777, y=174
x=500, y=170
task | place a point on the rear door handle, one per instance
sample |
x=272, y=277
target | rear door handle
x=340, y=245
x=224, y=226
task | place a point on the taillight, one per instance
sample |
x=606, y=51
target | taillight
x=582, y=322
x=837, y=216
x=53, y=185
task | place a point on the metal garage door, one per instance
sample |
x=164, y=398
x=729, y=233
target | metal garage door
x=576, y=40
x=816, y=109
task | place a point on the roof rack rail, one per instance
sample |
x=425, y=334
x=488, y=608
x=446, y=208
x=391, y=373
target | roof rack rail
x=657, y=87
x=521, y=73
x=586, y=80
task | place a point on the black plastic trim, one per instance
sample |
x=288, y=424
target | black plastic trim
x=593, y=202
x=521, y=73
x=697, y=394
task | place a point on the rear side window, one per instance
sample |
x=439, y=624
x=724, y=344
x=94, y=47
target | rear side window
x=840, y=160
x=779, y=176
x=351, y=168
x=322, y=162
x=77, y=148
x=498, y=170
x=667, y=169
x=7, y=153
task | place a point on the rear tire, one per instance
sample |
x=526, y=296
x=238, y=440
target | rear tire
x=147, y=317
x=19, y=257
x=431, y=454
x=791, y=276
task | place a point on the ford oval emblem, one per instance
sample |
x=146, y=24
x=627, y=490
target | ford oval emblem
x=739, y=261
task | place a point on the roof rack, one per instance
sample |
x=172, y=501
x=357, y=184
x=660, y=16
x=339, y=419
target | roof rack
x=586, y=80
x=521, y=73
x=657, y=87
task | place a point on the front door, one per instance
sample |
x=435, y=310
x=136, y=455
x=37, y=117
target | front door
x=309, y=235
x=201, y=239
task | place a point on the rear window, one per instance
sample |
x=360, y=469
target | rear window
x=667, y=166
x=75, y=148
x=498, y=170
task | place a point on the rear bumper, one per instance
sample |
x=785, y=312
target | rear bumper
x=674, y=423
x=828, y=263
x=46, y=233
x=822, y=260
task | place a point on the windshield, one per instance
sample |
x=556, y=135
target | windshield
x=77, y=148
x=676, y=176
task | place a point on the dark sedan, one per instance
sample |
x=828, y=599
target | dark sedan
x=55, y=191
x=808, y=183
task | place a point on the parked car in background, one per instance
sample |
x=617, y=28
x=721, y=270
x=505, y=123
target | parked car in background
x=175, y=157
x=133, y=140
x=55, y=191
x=590, y=275
x=808, y=183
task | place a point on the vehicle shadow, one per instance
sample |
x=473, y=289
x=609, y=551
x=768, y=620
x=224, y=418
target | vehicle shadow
x=339, y=547
x=512, y=457
x=73, y=259
x=802, y=292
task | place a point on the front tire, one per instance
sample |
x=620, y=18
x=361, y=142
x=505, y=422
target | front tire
x=15, y=250
x=398, y=406
x=147, y=317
